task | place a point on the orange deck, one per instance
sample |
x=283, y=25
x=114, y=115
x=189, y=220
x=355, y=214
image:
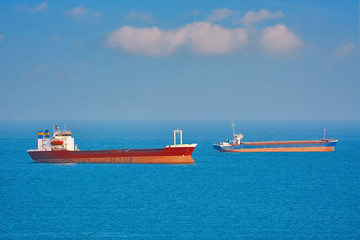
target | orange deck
x=294, y=149
x=287, y=142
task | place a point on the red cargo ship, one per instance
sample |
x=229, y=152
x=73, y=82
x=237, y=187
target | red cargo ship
x=67, y=152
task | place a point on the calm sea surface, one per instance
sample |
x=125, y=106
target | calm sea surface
x=221, y=196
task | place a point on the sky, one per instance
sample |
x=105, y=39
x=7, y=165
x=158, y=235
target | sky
x=179, y=60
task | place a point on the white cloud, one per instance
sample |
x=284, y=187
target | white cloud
x=54, y=37
x=200, y=37
x=37, y=70
x=41, y=68
x=252, y=17
x=96, y=14
x=81, y=12
x=207, y=38
x=279, y=39
x=85, y=65
x=26, y=8
x=64, y=76
x=193, y=13
x=41, y=8
x=77, y=12
x=147, y=41
x=219, y=14
x=345, y=50
x=145, y=17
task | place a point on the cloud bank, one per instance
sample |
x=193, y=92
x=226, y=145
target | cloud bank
x=199, y=37
x=206, y=37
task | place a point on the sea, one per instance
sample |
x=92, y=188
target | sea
x=221, y=196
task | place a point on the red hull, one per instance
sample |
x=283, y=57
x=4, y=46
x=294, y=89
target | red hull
x=168, y=155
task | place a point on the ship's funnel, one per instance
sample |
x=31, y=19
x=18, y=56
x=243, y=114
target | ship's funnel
x=47, y=134
x=40, y=134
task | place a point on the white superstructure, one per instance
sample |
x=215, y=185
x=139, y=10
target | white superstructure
x=235, y=141
x=59, y=140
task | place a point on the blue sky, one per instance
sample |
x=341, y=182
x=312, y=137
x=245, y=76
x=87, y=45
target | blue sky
x=179, y=60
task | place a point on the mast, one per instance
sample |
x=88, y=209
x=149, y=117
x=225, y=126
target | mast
x=175, y=132
x=56, y=129
x=233, y=127
x=324, y=133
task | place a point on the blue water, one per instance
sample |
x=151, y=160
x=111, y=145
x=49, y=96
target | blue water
x=221, y=196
